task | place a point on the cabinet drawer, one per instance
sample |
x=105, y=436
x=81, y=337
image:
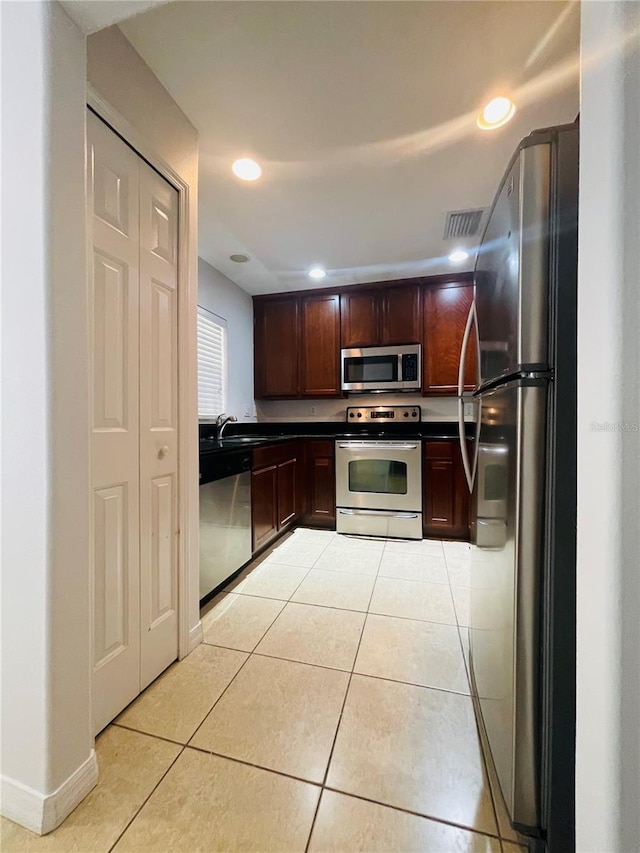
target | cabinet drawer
x=274, y=454
x=320, y=447
x=444, y=449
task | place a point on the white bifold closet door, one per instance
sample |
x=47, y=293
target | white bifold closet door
x=133, y=217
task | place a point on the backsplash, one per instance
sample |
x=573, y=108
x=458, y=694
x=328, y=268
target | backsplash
x=433, y=408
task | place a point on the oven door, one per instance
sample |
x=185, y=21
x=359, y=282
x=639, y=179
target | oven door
x=379, y=475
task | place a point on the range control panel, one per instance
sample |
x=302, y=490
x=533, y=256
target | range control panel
x=383, y=414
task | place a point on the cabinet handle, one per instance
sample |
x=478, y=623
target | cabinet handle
x=163, y=451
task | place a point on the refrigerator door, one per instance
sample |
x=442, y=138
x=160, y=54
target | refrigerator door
x=506, y=569
x=512, y=271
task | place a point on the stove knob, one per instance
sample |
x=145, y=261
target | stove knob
x=406, y=414
x=414, y=414
x=351, y=415
x=359, y=414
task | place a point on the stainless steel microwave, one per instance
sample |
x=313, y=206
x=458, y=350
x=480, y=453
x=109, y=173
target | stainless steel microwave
x=376, y=369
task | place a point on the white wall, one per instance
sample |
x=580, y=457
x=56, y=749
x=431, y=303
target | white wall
x=120, y=77
x=608, y=560
x=219, y=294
x=433, y=408
x=46, y=737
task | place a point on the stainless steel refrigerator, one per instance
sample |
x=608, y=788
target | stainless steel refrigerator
x=522, y=474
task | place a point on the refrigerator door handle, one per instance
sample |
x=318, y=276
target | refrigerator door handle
x=472, y=319
x=469, y=467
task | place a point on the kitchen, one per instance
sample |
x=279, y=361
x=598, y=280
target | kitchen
x=450, y=419
x=321, y=329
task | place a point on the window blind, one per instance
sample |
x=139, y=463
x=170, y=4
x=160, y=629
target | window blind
x=212, y=364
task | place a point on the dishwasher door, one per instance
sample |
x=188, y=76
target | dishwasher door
x=225, y=529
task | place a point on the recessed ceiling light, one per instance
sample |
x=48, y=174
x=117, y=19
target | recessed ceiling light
x=458, y=256
x=239, y=259
x=317, y=272
x=246, y=170
x=496, y=113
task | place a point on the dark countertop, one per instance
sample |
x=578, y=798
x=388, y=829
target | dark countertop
x=252, y=435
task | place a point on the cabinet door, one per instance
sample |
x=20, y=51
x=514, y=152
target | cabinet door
x=264, y=484
x=401, y=317
x=321, y=478
x=320, y=332
x=446, y=308
x=287, y=491
x=446, y=497
x=276, y=345
x=359, y=319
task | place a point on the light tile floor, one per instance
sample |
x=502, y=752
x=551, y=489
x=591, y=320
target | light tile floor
x=328, y=709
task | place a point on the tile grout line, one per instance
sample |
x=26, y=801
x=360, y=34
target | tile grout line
x=147, y=798
x=475, y=719
x=201, y=723
x=344, y=702
x=411, y=812
x=245, y=763
x=183, y=746
x=147, y=734
x=323, y=786
x=458, y=626
x=486, y=773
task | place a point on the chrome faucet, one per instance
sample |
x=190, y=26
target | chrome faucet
x=222, y=420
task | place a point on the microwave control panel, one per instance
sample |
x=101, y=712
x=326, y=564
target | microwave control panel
x=410, y=367
x=383, y=414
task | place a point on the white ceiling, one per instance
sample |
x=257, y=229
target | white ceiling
x=94, y=15
x=362, y=115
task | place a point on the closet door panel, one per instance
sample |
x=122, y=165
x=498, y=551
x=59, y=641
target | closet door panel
x=158, y=423
x=113, y=217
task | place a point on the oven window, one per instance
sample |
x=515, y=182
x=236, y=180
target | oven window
x=381, y=476
x=372, y=368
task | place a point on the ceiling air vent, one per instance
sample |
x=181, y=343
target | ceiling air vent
x=462, y=223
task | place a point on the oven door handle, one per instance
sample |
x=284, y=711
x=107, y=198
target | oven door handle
x=374, y=445
x=378, y=513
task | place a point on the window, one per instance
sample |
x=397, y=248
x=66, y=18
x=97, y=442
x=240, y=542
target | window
x=212, y=364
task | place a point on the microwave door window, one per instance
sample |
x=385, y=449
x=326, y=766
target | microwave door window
x=381, y=368
x=378, y=476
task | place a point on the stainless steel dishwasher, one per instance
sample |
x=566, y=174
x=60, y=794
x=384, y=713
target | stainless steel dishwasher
x=225, y=517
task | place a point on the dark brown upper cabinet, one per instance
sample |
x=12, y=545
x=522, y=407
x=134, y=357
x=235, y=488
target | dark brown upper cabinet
x=320, y=339
x=298, y=336
x=445, y=310
x=276, y=347
x=400, y=315
x=359, y=323
x=381, y=316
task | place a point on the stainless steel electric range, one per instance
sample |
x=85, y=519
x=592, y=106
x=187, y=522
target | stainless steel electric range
x=378, y=476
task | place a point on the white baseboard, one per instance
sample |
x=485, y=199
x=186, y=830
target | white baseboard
x=195, y=636
x=42, y=813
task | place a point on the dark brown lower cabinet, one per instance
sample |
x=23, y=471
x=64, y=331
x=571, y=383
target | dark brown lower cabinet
x=320, y=486
x=287, y=504
x=446, y=498
x=275, y=490
x=264, y=496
